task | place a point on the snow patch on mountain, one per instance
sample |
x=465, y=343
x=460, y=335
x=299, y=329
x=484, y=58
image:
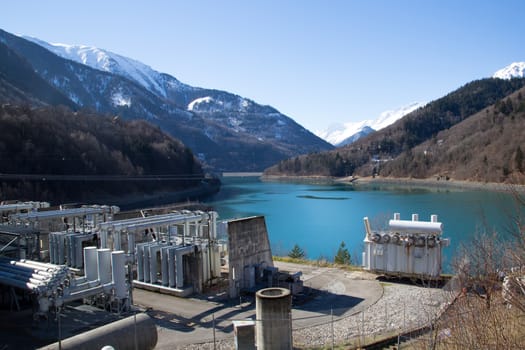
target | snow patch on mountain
x=194, y=104
x=513, y=70
x=391, y=116
x=336, y=134
x=118, y=99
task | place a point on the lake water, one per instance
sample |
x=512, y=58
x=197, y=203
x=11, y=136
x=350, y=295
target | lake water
x=318, y=217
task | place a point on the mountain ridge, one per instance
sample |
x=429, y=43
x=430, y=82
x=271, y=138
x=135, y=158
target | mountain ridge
x=346, y=133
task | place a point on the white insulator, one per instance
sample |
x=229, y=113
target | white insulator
x=415, y=217
x=368, y=229
x=433, y=218
x=213, y=225
x=171, y=267
x=139, y=255
x=164, y=265
x=131, y=242
x=397, y=216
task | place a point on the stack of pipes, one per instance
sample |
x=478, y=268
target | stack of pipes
x=55, y=285
x=42, y=279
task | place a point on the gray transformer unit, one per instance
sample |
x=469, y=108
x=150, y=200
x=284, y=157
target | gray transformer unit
x=409, y=248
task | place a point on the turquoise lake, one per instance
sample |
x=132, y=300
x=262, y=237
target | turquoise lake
x=318, y=217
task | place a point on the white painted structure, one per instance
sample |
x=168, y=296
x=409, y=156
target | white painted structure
x=70, y=230
x=409, y=248
x=174, y=253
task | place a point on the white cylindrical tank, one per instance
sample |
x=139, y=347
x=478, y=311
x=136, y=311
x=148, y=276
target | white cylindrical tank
x=104, y=265
x=118, y=273
x=274, y=323
x=90, y=263
x=415, y=226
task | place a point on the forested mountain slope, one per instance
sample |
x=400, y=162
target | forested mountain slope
x=486, y=147
x=370, y=155
x=55, y=154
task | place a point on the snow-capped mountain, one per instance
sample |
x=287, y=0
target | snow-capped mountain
x=111, y=62
x=513, y=70
x=226, y=131
x=342, y=134
x=160, y=84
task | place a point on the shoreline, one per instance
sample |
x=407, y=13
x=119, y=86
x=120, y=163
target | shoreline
x=404, y=182
x=135, y=201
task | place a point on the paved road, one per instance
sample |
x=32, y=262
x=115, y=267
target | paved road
x=185, y=321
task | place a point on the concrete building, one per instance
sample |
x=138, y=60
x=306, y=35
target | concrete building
x=249, y=253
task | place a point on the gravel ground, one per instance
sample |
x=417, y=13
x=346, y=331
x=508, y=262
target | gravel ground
x=401, y=307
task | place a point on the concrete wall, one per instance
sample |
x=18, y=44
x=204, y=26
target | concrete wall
x=249, y=252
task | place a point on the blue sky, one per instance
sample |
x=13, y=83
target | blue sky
x=319, y=62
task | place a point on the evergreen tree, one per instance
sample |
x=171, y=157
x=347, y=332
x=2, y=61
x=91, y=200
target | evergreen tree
x=343, y=256
x=297, y=252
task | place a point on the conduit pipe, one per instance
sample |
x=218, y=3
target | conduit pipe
x=121, y=335
x=150, y=221
x=52, y=214
x=84, y=293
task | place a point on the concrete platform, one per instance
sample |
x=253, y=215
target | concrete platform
x=330, y=293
